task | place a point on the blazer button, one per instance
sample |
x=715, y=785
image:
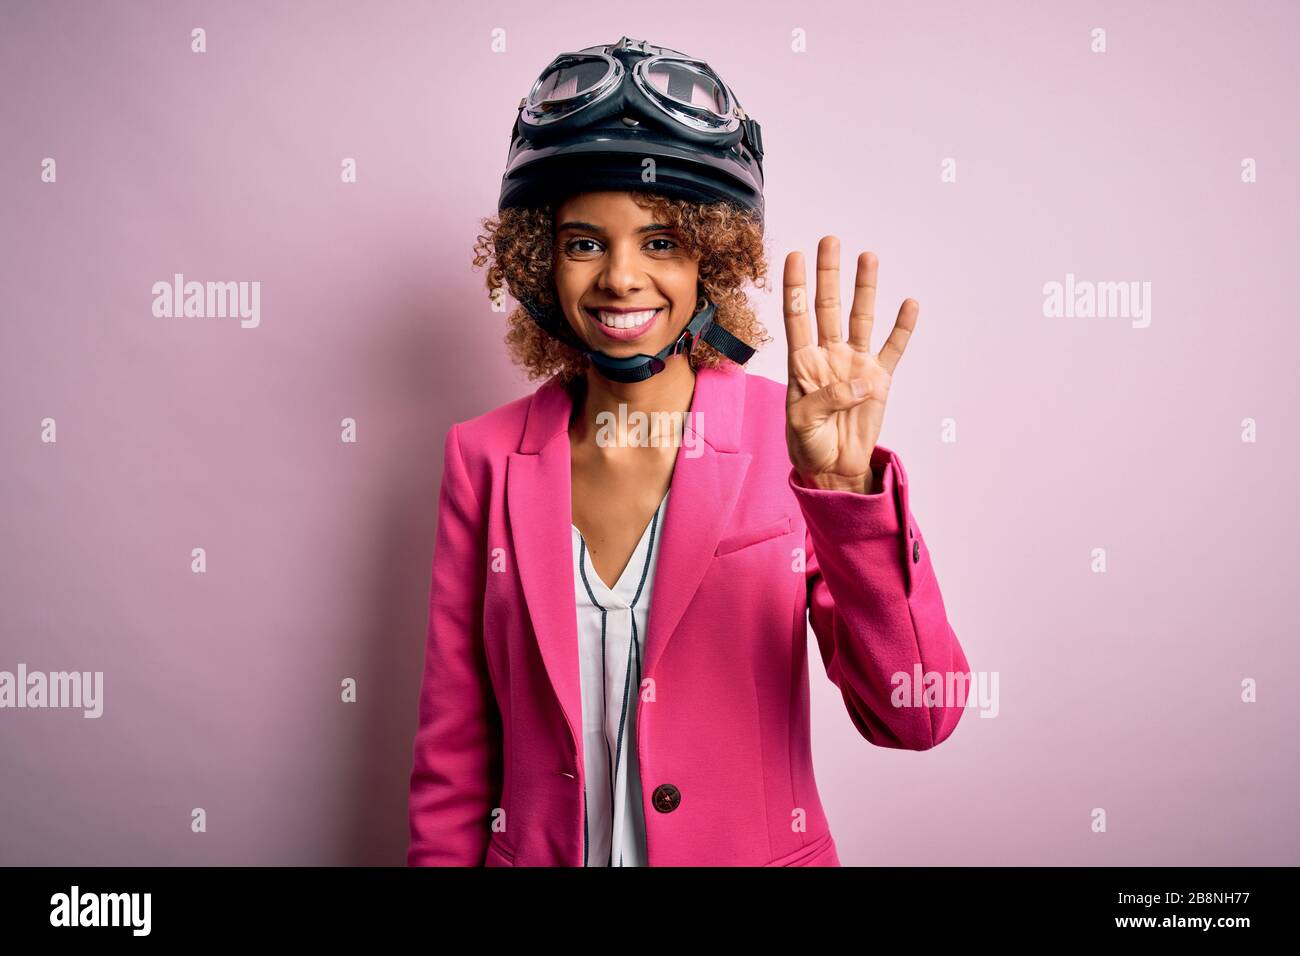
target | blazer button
x=666, y=798
x=916, y=552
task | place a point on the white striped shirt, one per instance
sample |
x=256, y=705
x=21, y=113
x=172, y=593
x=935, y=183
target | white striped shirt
x=611, y=653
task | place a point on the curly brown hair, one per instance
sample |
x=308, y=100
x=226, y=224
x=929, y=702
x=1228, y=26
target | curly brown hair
x=518, y=248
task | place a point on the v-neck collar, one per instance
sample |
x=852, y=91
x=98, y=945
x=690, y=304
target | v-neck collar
x=621, y=594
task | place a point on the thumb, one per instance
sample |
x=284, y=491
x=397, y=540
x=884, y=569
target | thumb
x=837, y=397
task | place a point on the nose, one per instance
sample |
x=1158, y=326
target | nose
x=622, y=275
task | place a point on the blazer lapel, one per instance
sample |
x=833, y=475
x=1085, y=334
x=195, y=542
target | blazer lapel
x=706, y=481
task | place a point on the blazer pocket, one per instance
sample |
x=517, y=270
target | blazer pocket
x=821, y=847
x=498, y=855
x=743, y=539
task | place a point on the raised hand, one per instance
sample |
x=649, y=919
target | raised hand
x=830, y=430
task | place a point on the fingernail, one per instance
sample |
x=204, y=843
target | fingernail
x=859, y=388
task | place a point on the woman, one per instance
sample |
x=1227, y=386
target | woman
x=616, y=668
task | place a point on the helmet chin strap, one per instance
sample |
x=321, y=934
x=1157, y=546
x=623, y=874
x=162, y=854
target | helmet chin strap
x=639, y=367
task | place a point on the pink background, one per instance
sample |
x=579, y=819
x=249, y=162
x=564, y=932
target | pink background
x=1118, y=690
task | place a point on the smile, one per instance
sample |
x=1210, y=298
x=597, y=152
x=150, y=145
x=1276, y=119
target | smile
x=624, y=325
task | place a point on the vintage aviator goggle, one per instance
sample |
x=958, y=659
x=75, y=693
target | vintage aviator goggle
x=642, y=83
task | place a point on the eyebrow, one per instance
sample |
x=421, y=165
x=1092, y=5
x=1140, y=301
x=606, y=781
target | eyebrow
x=592, y=227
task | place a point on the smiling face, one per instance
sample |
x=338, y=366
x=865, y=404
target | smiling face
x=625, y=282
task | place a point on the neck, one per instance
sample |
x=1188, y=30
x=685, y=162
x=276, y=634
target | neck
x=671, y=390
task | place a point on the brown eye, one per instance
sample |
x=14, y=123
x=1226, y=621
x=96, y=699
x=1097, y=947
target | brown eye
x=671, y=244
x=570, y=246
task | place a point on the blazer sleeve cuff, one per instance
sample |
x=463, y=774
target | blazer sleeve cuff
x=843, y=516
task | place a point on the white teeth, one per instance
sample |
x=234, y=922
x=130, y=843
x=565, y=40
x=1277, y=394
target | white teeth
x=626, y=320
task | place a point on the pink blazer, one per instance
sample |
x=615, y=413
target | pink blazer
x=747, y=557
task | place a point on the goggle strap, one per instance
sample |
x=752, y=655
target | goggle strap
x=754, y=136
